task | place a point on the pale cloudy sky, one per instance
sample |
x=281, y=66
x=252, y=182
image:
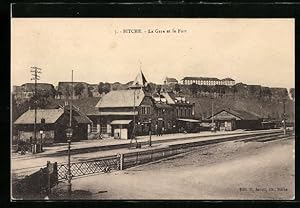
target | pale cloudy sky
x=252, y=51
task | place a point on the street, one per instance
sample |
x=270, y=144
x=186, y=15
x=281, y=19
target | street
x=231, y=170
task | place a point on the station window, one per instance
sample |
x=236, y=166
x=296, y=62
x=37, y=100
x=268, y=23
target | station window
x=145, y=110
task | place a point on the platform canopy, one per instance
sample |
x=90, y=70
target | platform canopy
x=188, y=120
x=123, y=122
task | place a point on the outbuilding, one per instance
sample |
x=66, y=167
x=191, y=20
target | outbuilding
x=51, y=125
x=229, y=120
x=121, y=129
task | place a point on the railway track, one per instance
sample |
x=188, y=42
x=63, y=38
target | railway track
x=267, y=138
x=253, y=137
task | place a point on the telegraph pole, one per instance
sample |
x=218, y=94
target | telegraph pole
x=134, y=125
x=284, y=119
x=35, y=76
x=69, y=137
x=72, y=92
x=212, y=115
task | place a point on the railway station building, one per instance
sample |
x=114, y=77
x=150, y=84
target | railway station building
x=122, y=112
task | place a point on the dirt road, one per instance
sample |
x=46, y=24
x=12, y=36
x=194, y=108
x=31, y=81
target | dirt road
x=232, y=170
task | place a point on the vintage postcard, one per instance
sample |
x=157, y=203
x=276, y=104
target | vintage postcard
x=152, y=108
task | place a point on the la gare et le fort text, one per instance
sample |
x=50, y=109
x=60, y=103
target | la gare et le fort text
x=153, y=31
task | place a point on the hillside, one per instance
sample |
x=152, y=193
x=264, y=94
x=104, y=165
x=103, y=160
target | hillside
x=263, y=108
x=265, y=101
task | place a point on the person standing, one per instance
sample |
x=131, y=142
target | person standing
x=156, y=130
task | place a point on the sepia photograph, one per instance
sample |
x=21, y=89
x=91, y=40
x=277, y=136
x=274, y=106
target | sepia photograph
x=152, y=109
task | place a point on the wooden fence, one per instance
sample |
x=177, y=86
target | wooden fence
x=88, y=167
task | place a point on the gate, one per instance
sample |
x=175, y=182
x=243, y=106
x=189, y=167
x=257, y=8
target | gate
x=88, y=167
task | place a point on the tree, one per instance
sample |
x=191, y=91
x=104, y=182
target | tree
x=266, y=92
x=67, y=91
x=222, y=90
x=292, y=92
x=205, y=88
x=213, y=88
x=194, y=89
x=252, y=90
x=158, y=89
x=53, y=92
x=235, y=89
x=14, y=109
x=90, y=93
x=260, y=92
x=59, y=94
x=78, y=89
x=103, y=88
x=42, y=101
x=177, y=88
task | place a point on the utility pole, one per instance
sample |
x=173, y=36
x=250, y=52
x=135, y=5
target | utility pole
x=134, y=125
x=69, y=137
x=212, y=114
x=284, y=119
x=133, y=130
x=72, y=92
x=35, y=76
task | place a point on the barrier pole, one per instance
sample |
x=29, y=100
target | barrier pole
x=121, y=158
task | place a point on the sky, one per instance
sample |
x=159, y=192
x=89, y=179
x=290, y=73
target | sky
x=252, y=51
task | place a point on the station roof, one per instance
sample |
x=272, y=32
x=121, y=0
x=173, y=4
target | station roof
x=50, y=116
x=124, y=122
x=243, y=115
x=121, y=98
x=109, y=113
x=189, y=120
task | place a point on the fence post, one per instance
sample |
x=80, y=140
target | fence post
x=121, y=158
x=48, y=178
x=55, y=171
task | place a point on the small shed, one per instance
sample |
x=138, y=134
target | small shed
x=121, y=129
x=53, y=123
